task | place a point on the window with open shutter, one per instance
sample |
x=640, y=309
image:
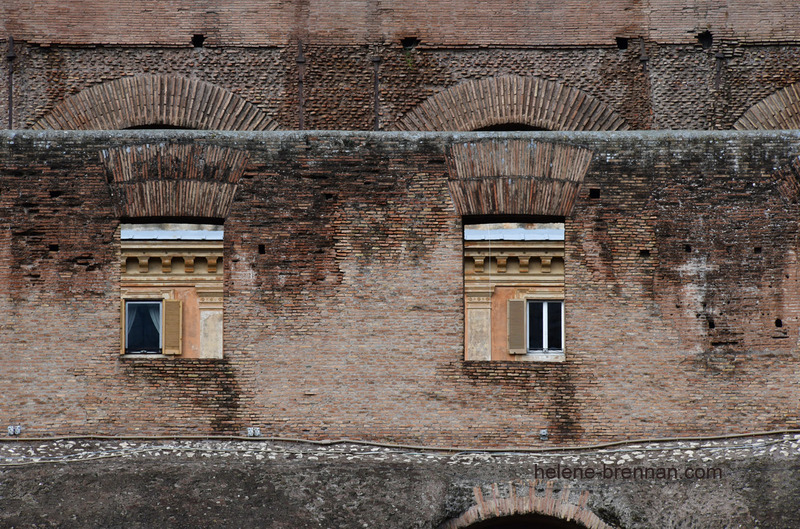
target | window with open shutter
x=171, y=285
x=514, y=291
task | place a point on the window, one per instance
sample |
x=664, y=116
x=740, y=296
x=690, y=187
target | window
x=142, y=326
x=535, y=327
x=514, y=291
x=171, y=290
x=152, y=327
x=545, y=327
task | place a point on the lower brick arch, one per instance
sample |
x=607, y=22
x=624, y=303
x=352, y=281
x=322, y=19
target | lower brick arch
x=778, y=111
x=527, y=504
x=530, y=102
x=144, y=100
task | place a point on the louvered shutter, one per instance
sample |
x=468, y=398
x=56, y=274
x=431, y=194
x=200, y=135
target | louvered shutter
x=516, y=327
x=172, y=327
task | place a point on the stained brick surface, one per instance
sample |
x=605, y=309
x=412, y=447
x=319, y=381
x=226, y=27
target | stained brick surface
x=444, y=23
x=678, y=87
x=351, y=322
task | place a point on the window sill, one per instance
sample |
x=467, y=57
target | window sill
x=543, y=357
x=139, y=356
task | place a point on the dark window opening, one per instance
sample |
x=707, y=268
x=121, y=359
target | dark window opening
x=778, y=323
x=711, y=324
x=644, y=253
x=53, y=247
x=594, y=193
x=176, y=220
x=545, y=326
x=536, y=326
x=757, y=249
x=622, y=43
x=467, y=220
x=409, y=43
x=143, y=327
x=508, y=127
x=198, y=40
x=55, y=194
x=156, y=126
x=705, y=39
x=262, y=249
x=687, y=248
x=527, y=521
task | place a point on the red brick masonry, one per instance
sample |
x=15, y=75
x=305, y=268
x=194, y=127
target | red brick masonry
x=682, y=295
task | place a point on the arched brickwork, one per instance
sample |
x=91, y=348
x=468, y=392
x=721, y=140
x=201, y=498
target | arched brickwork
x=527, y=101
x=788, y=177
x=514, y=499
x=171, y=180
x=516, y=177
x=781, y=110
x=156, y=100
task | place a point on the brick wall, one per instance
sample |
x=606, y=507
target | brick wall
x=350, y=324
x=446, y=23
x=683, y=86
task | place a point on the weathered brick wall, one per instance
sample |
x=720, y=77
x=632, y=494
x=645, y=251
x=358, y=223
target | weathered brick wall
x=350, y=323
x=683, y=87
x=45, y=76
x=444, y=23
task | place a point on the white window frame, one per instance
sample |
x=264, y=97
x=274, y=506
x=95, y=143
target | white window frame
x=545, y=351
x=160, y=325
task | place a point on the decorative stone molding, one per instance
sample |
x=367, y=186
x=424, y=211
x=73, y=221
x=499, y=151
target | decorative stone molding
x=157, y=260
x=779, y=111
x=156, y=100
x=516, y=177
x=532, y=497
x=530, y=101
x=172, y=180
x=489, y=261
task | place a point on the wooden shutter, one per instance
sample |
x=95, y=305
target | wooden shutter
x=516, y=327
x=172, y=327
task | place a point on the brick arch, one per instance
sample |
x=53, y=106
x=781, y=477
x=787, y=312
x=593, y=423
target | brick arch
x=515, y=500
x=516, y=177
x=529, y=101
x=781, y=110
x=173, y=180
x=788, y=178
x=143, y=100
